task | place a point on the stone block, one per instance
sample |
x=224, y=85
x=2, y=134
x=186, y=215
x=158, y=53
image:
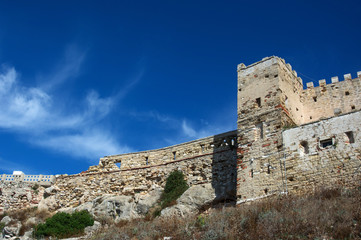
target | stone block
x=359, y=74
x=309, y=85
x=322, y=82
x=347, y=76
x=334, y=79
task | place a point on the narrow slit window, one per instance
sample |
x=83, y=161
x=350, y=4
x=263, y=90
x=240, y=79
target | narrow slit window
x=174, y=155
x=315, y=99
x=350, y=137
x=353, y=107
x=146, y=161
x=258, y=101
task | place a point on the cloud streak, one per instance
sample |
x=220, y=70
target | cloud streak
x=34, y=113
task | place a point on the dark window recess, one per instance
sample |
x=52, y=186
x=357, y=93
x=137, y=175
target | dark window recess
x=240, y=89
x=266, y=76
x=347, y=93
x=296, y=109
x=268, y=169
x=304, y=147
x=350, y=137
x=352, y=107
x=258, y=101
x=310, y=117
x=325, y=143
x=251, y=173
x=174, y=155
x=146, y=161
x=315, y=99
x=276, y=75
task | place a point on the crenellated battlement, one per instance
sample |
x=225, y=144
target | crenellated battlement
x=322, y=82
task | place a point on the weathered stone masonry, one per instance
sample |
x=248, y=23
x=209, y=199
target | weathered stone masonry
x=272, y=159
x=288, y=139
x=207, y=160
x=261, y=157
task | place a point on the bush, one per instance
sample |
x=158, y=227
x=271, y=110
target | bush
x=63, y=225
x=174, y=188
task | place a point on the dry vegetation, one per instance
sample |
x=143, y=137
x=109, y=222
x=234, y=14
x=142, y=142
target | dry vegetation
x=326, y=214
x=24, y=215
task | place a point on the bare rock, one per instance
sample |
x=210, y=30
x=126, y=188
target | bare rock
x=48, y=204
x=114, y=207
x=146, y=201
x=192, y=200
x=6, y=220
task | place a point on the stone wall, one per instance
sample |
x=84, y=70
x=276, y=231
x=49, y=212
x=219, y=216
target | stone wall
x=328, y=100
x=18, y=195
x=271, y=99
x=262, y=157
x=216, y=164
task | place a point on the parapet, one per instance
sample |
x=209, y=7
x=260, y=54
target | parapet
x=335, y=79
x=179, y=152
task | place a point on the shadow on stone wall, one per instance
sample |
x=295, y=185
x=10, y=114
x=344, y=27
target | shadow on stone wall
x=224, y=168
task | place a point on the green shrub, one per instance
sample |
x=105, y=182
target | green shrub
x=2, y=225
x=63, y=225
x=174, y=188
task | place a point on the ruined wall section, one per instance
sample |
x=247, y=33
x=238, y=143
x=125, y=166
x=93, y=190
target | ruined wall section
x=155, y=157
x=18, y=195
x=328, y=100
x=216, y=166
x=323, y=154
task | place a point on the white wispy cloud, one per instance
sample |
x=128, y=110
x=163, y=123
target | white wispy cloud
x=86, y=144
x=68, y=67
x=36, y=115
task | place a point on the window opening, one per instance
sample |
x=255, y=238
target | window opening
x=350, y=138
x=174, y=155
x=352, y=107
x=146, y=161
x=119, y=164
x=315, y=99
x=347, y=93
x=304, y=149
x=325, y=143
x=258, y=101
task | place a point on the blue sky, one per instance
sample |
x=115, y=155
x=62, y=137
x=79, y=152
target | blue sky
x=84, y=79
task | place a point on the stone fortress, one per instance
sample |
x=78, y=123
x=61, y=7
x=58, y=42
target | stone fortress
x=289, y=139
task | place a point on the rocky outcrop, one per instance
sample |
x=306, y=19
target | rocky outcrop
x=192, y=200
x=119, y=207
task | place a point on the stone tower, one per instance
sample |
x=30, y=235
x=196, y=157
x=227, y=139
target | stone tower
x=268, y=100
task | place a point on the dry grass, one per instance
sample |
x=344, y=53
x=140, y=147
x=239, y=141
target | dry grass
x=326, y=214
x=24, y=214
